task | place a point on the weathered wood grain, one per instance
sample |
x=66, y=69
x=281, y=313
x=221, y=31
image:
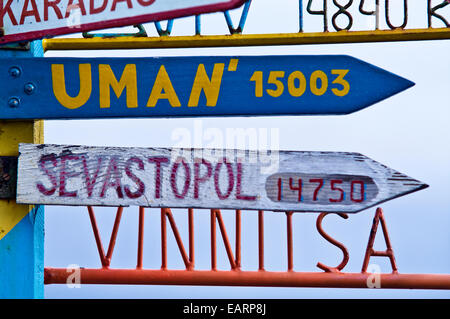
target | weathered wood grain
x=205, y=178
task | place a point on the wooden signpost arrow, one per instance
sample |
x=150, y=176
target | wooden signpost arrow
x=33, y=19
x=288, y=181
x=205, y=178
x=71, y=88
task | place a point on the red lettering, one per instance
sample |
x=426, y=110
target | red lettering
x=173, y=178
x=90, y=182
x=280, y=189
x=230, y=179
x=145, y=3
x=71, y=7
x=297, y=188
x=389, y=252
x=239, y=183
x=94, y=10
x=340, y=190
x=112, y=170
x=129, y=4
x=54, y=6
x=7, y=10
x=335, y=243
x=158, y=161
x=134, y=178
x=64, y=175
x=361, y=194
x=51, y=176
x=33, y=12
x=316, y=191
x=200, y=179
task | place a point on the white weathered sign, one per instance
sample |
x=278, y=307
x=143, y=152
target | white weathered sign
x=32, y=19
x=206, y=178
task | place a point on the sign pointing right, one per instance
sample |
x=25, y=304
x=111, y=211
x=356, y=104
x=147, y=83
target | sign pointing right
x=205, y=178
x=75, y=88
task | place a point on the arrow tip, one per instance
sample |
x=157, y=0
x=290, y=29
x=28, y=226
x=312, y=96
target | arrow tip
x=407, y=83
x=378, y=84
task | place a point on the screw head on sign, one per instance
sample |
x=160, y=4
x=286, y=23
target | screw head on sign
x=29, y=88
x=13, y=102
x=14, y=71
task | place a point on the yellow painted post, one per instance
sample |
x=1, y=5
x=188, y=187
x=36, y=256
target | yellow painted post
x=21, y=226
x=238, y=40
x=11, y=134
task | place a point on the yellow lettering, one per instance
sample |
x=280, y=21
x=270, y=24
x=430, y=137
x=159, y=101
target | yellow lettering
x=315, y=89
x=233, y=65
x=257, y=77
x=59, y=86
x=340, y=80
x=211, y=87
x=294, y=90
x=128, y=80
x=163, y=83
x=273, y=79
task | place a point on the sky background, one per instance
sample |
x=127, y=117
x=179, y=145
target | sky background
x=408, y=132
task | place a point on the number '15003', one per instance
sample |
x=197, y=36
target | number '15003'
x=297, y=83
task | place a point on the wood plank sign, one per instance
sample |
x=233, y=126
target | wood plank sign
x=206, y=178
x=76, y=88
x=33, y=19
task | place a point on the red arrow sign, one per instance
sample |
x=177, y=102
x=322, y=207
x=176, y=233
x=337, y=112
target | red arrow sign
x=33, y=19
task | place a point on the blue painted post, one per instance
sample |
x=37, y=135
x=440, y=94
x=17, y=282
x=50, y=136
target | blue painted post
x=22, y=248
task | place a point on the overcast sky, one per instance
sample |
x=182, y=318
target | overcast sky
x=408, y=132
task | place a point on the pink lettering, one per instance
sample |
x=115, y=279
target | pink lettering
x=187, y=178
x=64, y=175
x=230, y=179
x=51, y=176
x=94, y=10
x=54, y=6
x=112, y=172
x=145, y=3
x=7, y=10
x=27, y=13
x=239, y=185
x=90, y=182
x=134, y=178
x=200, y=179
x=129, y=4
x=71, y=6
x=158, y=161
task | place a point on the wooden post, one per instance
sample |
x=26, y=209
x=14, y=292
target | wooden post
x=21, y=226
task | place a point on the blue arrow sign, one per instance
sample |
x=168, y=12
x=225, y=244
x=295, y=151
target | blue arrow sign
x=77, y=88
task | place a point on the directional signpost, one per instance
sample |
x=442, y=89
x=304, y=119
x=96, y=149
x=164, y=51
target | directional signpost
x=204, y=178
x=318, y=22
x=286, y=181
x=21, y=226
x=75, y=88
x=33, y=19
